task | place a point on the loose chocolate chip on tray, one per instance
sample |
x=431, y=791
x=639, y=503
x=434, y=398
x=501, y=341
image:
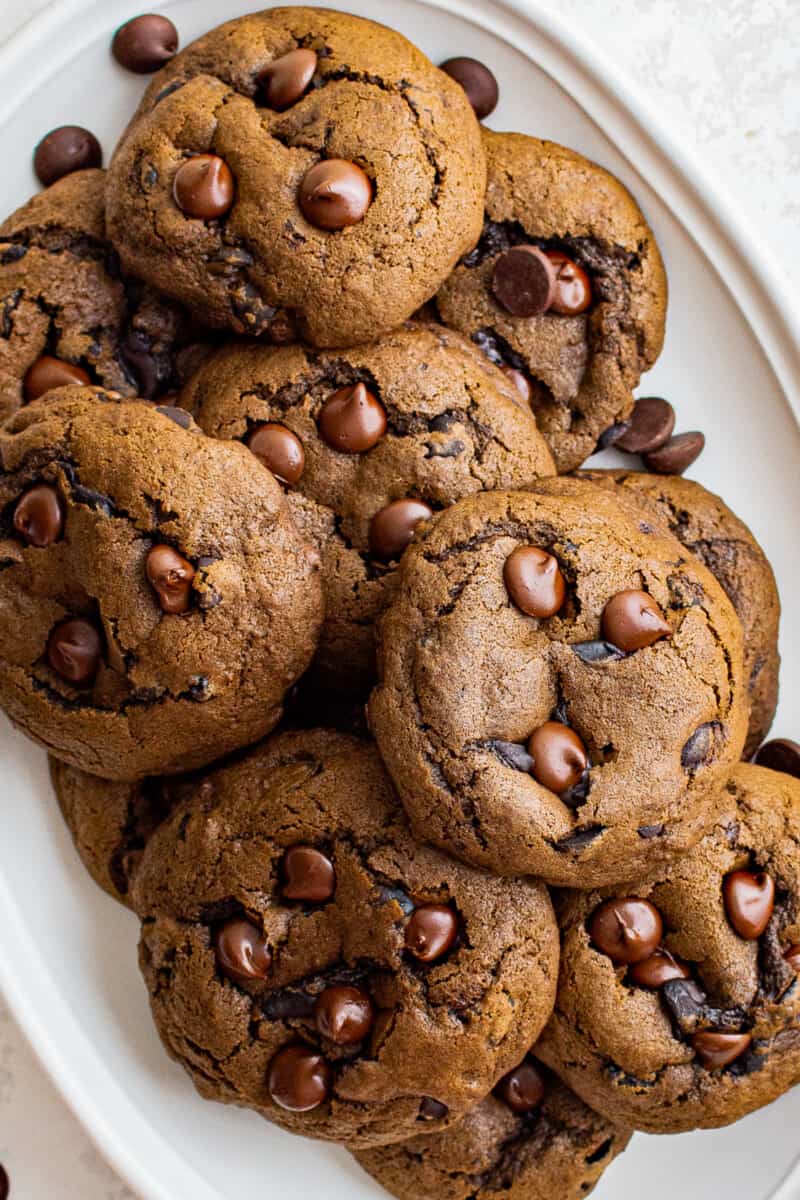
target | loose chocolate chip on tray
x=145, y=44
x=477, y=81
x=284, y=81
x=48, y=373
x=676, y=454
x=299, y=1078
x=335, y=194
x=204, y=187
x=524, y=281
x=749, y=900
x=64, y=150
x=353, y=420
x=632, y=620
x=280, y=450
x=627, y=930
x=393, y=527
x=649, y=426
x=522, y=1089
x=241, y=950
x=781, y=754
x=73, y=651
x=39, y=516
x=534, y=581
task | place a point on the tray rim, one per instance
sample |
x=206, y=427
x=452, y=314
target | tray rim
x=716, y=225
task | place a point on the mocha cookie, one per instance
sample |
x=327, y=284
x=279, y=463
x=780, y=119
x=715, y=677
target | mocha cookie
x=299, y=170
x=566, y=287
x=67, y=315
x=678, y=1005
x=707, y=527
x=532, y=1140
x=156, y=599
x=561, y=692
x=370, y=442
x=110, y=822
x=307, y=959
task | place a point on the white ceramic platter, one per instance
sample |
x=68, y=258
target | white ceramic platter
x=67, y=953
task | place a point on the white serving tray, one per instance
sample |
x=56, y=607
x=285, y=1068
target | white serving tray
x=67, y=953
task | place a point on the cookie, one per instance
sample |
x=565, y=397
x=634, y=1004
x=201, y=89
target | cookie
x=678, y=1005
x=707, y=527
x=562, y=692
x=110, y=822
x=67, y=314
x=307, y=959
x=370, y=441
x=579, y=314
x=532, y=1140
x=156, y=599
x=299, y=170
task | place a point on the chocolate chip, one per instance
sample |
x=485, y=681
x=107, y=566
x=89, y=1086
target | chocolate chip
x=749, y=900
x=649, y=425
x=477, y=81
x=650, y=831
x=632, y=620
x=242, y=951
x=179, y=415
x=520, y=382
x=431, y=931
x=610, y=436
x=573, y=290
x=577, y=842
x=285, y=80
x=299, y=1079
x=658, y=969
x=280, y=450
x=145, y=44
x=204, y=187
x=73, y=651
x=335, y=194
x=308, y=875
x=717, y=1050
x=393, y=527
x=697, y=749
x=524, y=281
x=522, y=1089
x=627, y=930
x=792, y=956
x=432, y=1110
x=64, y=150
x=170, y=575
x=353, y=420
x=39, y=516
x=287, y=1006
x=48, y=373
x=559, y=756
x=512, y=754
x=137, y=356
x=344, y=1015
x=781, y=754
x=686, y=1002
x=534, y=581
x=677, y=453
x=578, y=794
x=597, y=652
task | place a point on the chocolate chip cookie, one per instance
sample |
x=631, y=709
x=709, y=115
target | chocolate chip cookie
x=707, y=527
x=679, y=1006
x=110, y=822
x=307, y=959
x=299, y=170
x=67, y=314
x=562, y=690
x=369, y=443
x=156, y=599
x=566, y=287
x=532, y=1140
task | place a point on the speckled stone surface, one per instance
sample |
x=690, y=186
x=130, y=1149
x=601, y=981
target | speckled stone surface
x=722, y=77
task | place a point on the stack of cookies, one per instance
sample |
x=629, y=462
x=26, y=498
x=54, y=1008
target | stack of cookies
x=422, y=754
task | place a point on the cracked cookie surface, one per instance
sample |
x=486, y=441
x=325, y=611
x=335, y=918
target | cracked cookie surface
x=467, y=678
x=455, y=426
x=264, y=268
x=581, y=368
x=93, y=667
x=559, y=1150
x=707, y=527
x=628, y=1049
x=62, y=294
x=442, y=1031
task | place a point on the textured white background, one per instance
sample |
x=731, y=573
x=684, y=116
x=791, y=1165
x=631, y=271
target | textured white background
x=725, y=75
